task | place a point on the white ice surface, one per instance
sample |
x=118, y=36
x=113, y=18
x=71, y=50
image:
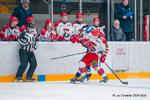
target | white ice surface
x=66, y=91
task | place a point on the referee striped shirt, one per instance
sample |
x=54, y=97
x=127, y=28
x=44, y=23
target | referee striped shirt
x=25, y=39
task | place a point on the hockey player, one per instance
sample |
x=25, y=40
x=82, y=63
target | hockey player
x=96, y=24
x=78, y=24
x=83, y=30
x=79, y=28
x=48, y=33
x=86, y=29
x=29, y=20
x=76, y=38
x=10, y=32
x=28, y=45
x=97, y=46
x=63, y=26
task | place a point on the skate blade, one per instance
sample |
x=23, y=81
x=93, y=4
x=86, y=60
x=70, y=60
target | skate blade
x=79, y=82
x=103, y=82
x=18, y=81
x=30, y=81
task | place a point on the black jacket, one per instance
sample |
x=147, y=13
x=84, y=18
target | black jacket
x=126, y=24
x=21, y=14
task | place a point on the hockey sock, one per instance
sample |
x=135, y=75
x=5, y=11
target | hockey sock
x=88, y=72
x=83, y=71
x=102, y=73
x=78, y=74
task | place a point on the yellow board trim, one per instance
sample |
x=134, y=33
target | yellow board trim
x=66, y=77
x=11, y=78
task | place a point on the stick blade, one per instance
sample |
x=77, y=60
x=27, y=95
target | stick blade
x=126, y=83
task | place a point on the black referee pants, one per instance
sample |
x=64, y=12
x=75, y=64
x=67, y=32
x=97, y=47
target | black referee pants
x=25, y=58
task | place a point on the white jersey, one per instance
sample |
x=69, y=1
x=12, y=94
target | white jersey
x=45, y=34
x=100, y=46
x=77, y=27
x=11, y=31
x=49, y=32
x=64, y=29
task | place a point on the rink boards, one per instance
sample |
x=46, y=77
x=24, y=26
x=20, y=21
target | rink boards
x=131, y=59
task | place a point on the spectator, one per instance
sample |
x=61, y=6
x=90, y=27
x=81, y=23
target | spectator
x=10, y=32
x=117, y=33
x=22, y=12
x=64, y=27
x=125, y=15
x=48, y=33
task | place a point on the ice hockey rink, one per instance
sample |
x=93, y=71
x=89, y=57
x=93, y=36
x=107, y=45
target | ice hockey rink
x=137, y=89
x=137, y=75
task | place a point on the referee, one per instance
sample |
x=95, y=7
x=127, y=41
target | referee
x=27, y=41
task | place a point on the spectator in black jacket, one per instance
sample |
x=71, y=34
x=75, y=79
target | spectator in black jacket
x=117, y=34
x=125, y=15
x=22, y=12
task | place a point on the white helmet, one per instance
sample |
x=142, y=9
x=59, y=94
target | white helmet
x=22, y=1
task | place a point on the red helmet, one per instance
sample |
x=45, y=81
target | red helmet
x=96, y=19
x=48, y=21
x=13, y=18
x=79, y=15
x=63, y=14
x=30, y=19
x=95, y=32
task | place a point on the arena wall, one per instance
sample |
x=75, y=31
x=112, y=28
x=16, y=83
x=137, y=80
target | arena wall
x=129, y=59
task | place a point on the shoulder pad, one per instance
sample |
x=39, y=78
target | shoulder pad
x=89, y=29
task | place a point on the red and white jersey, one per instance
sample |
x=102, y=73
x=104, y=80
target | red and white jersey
x=10, y=33
x=64, y=29
x=45, y=34
x=98, y=27
x=50, y=35
x=98, y=44
x=77, y=27
x=23, y=28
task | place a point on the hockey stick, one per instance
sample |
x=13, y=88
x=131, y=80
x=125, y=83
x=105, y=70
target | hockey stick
x=68, y=55
x=126, y=83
